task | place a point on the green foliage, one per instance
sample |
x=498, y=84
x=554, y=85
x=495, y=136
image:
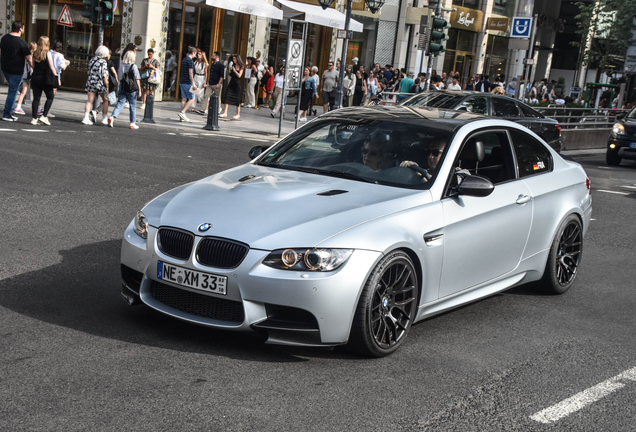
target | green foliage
x=606, y=29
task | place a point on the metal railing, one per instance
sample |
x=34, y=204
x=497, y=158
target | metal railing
x=582, y=118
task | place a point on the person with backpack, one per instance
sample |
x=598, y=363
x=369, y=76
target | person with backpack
x=130, y=84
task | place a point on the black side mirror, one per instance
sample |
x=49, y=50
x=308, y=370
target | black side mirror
x=256, y=151
x=620, y=116
x=475, y=186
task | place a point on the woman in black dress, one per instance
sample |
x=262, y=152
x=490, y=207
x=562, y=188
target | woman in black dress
x=42, y=60
x=361, y=89
x=308, y=92
x=233, y=95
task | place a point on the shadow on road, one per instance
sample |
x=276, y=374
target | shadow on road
x=83, y=293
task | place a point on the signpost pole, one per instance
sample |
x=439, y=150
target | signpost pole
x=282, y=104
x=302, y=74
x=530, y=52
x=343, y=57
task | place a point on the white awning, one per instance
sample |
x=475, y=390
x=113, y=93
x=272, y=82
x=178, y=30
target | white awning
x=316, y=15
x=251, y=7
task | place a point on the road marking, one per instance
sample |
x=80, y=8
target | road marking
x=189, y=134
x=34, y=130
x=604, y=167
x=613, y=192
x=7, y=130
x=629, y=187
x=584, y=398
x=170, y=133
x=592, y=219
x=66, y=131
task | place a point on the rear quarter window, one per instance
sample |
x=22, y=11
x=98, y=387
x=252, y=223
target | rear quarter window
x=532, y=156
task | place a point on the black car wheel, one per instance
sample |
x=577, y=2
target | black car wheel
x=612, y=158
x=386, y=308
x=564, y=258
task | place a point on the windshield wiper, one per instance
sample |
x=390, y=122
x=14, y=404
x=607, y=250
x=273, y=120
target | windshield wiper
x=345, y=175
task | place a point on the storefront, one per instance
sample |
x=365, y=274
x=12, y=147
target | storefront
x=79, y=41
x=496, y=55
x=461, y=46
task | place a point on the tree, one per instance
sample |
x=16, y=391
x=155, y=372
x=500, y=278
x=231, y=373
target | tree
x=605, y=27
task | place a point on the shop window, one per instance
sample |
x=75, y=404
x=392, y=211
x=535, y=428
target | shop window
x=472, y=4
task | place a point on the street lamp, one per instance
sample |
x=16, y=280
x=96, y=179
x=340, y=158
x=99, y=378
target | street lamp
x=374, y=6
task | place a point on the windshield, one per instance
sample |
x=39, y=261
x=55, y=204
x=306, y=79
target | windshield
x=632, y=114
x=434, y=99
x=392, y=153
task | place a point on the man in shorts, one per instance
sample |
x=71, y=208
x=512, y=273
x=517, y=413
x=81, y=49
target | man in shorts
x=187, y=81
x=328, y=82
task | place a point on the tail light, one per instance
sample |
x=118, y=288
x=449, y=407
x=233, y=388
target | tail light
x=558, y=128
x=588, y=184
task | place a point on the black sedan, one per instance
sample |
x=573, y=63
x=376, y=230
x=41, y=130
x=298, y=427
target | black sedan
x=492, y=105
x=621, y=143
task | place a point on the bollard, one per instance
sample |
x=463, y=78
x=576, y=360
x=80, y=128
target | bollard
x=148, y=112
x=213, y=114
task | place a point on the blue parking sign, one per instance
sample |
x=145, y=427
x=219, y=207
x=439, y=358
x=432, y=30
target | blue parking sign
x=521, y=27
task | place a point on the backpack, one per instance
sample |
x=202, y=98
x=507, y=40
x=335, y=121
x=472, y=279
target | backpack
x=129, y=82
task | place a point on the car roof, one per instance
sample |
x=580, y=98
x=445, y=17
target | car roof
x=441, y=119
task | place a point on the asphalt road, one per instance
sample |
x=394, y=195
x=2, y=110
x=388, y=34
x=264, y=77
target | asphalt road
x=73, y=356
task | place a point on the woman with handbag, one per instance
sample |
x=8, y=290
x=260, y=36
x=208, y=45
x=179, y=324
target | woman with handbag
x=129, y=86
x=97, y=84
x=148, y=65
x=44, y=79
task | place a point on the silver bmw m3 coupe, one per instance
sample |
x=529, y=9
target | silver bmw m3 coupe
x=359, y=224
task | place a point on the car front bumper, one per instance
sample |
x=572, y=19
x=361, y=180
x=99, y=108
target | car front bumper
x=292, y=307
x=624, y=147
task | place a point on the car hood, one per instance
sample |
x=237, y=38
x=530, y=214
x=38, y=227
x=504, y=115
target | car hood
x=630, y=126
x=277, y=208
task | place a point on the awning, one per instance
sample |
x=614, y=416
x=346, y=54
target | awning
x=316, y=15
x=251, y=7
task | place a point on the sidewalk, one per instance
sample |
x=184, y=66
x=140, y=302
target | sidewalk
x=253, y=123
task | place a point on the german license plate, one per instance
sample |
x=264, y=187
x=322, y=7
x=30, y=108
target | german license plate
x=192, y=278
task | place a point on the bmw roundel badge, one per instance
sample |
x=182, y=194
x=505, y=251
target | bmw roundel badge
x=205, y=226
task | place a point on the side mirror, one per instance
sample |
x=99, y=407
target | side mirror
x=256, y=151
x=475, y=186
x=620, y=116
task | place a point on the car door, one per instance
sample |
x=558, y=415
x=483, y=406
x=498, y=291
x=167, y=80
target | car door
x=506, y=108
x=484, y=237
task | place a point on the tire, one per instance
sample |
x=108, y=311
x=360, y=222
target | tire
x=612, y=158
x=387, y=307
x=564, y=258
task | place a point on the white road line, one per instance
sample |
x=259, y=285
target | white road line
x=592, y=219
x=603, y=167
x=614, y=192
x=629, y=187
x=34, y=130
x=584, y=398
x=7, y=130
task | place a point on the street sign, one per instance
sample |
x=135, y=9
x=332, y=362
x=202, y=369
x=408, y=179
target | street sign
x=528, y=61
x=66, y=19
x=295, y=56
x=345, y=34
x=521, y=27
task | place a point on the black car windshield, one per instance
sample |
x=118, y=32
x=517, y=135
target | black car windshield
x=631, y=114
x=392, y=153
x=434, y=99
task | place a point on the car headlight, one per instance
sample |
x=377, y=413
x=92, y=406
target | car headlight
x=618, y=129
x=141, y=225
x=322, y=260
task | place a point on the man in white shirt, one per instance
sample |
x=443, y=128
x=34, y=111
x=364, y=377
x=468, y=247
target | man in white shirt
x=455, y=84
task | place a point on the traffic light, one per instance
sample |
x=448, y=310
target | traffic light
x=92, y=13
x=108, y=14
x=437, y=36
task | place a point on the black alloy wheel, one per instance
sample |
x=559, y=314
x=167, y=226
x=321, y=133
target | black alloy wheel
x=387, y=307
x=565, y=256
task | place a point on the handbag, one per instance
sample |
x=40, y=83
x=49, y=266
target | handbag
x=51, y=80
x=145, y=74
x=155, y=77
x=272, y=103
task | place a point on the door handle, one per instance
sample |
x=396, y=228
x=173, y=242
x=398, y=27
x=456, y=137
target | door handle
x=524, y=199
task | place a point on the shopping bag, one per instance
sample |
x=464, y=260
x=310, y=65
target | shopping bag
x=155, y=77
x=112, y=98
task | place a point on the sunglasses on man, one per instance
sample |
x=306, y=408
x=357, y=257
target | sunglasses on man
x=370, y=153
x=435, y=152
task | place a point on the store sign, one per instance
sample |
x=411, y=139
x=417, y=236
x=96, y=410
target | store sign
x=498, y=24
x=466, y=19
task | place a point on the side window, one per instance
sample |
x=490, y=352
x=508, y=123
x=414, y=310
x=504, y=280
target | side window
x=478, y=105
x=532, y=156
x=529, y=112
x=497, y=164
x=504, y=107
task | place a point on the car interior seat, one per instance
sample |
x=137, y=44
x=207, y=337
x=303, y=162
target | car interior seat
x=472, y=153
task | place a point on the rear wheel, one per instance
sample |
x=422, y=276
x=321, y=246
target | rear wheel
x=564, y=258
x=386, y=308
x=612, y=158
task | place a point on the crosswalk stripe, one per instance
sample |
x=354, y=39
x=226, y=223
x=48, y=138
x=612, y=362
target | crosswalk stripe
x=34, y=130
x=612, y=192
x=7, y=130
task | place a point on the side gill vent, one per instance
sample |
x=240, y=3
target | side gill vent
x=332, y=192
x=247, y=177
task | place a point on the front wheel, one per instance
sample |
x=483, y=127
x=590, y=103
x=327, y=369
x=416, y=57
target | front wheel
x=387, y=307
x=564, y=258
x=612, y=158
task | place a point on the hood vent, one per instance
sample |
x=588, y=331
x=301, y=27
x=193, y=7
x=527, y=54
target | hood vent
x=247, y=177
x=332, y=192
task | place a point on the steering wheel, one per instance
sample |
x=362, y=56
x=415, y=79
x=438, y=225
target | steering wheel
x=421, y=170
